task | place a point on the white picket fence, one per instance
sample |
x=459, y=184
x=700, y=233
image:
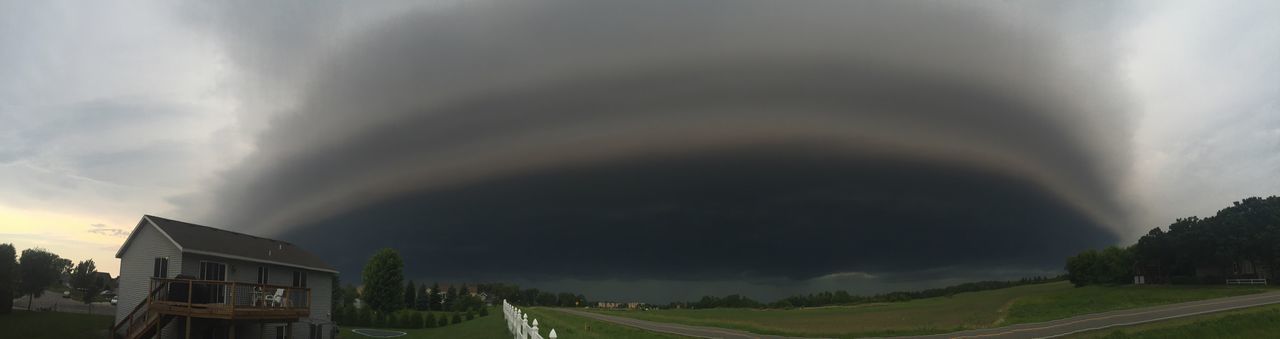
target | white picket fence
x=518, y=324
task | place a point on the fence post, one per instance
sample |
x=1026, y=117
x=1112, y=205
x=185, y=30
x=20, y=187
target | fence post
x=534, y=329
x=552, y=335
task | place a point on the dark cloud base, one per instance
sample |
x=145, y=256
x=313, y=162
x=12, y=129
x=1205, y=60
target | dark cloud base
x=760, y=212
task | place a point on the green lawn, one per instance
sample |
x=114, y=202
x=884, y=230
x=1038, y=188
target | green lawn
x=38, y=325
x=1094, y=299
x=1253, y=322
x=572, y=326
x=490, y=326
x=493, y=326
x=962, y=311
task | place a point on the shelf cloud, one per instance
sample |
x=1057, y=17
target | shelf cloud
x=700, y=141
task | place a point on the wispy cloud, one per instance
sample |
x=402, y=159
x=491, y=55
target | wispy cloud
x=102, y=229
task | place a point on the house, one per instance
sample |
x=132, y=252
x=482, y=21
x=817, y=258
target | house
x=104, y=279
x=179, y=279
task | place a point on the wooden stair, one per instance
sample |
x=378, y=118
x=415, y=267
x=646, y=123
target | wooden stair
x=142, y=321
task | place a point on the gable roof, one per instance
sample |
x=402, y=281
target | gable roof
x=200, y=239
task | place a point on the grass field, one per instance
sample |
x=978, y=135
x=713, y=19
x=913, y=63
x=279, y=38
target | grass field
x=1030, y=303
x=491, y=326
x=40, y=325
x=572, y=326
x=1254, y=322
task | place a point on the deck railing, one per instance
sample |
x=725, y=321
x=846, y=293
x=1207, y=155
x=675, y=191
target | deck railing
x=236, y=295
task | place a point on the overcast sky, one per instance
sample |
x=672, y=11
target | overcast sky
x=623, y=148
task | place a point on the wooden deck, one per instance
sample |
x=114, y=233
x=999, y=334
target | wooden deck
x=222, y=311
x=170, y=299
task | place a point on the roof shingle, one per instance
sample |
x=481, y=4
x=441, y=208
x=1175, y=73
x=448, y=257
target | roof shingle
x=209, y=240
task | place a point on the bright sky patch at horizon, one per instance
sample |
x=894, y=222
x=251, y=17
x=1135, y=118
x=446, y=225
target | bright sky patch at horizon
x=502, y=121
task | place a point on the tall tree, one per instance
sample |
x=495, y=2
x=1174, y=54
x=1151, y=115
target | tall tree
x=84, y=278
x=423, y=301
x=450, y=298
x=335, y=294
x=8, y=277
x=64, y=266
x=349, y=295
x=434, y=294
x=383, y=281
x=410, y=294
x=39, y=269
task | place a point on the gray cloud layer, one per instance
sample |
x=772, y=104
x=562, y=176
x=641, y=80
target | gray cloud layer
x=700, y=141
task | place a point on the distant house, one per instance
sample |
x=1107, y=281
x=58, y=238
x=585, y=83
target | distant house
x=104, y=279
x=178, y=279
x=1205, y=272
x=608, y=304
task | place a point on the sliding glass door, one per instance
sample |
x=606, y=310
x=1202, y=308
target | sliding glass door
x=218, y=272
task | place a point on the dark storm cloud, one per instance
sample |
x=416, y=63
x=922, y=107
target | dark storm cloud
x=702, y=140
x=796, y=211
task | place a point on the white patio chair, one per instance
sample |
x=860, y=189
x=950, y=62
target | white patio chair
x=277, y=298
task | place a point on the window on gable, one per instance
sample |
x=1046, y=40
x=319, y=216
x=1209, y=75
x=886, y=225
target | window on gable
x=160, y=268
x=262, y=275
x=299, y=279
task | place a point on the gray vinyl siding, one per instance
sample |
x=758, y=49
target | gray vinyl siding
x=136, y=266
x=136, y=269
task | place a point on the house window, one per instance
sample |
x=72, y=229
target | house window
x=262, y=275
x=282, y=332
x=160, y=268
x=299, y=279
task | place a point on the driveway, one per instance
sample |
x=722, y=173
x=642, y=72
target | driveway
x=54, y=301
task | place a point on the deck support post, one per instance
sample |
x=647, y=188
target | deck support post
x=188, y=327
x=231, y=329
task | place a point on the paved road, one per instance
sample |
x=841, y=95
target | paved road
x=1050, y=329
x=54, y=301
x=1063, y=327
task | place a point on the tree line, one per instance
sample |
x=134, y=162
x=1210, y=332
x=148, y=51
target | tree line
x=389, y=301
x=1248, y=231
x=37, y=269
x=841, y=297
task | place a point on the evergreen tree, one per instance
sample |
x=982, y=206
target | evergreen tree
x=410, y=295
x=423, y=301
x=450, y=298
x=434, y=296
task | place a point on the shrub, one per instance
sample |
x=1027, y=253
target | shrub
x=365, y=317
x=444, y=321
x=471, y=314
x=429, y=320
x=484, y=311
x=457, y=318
